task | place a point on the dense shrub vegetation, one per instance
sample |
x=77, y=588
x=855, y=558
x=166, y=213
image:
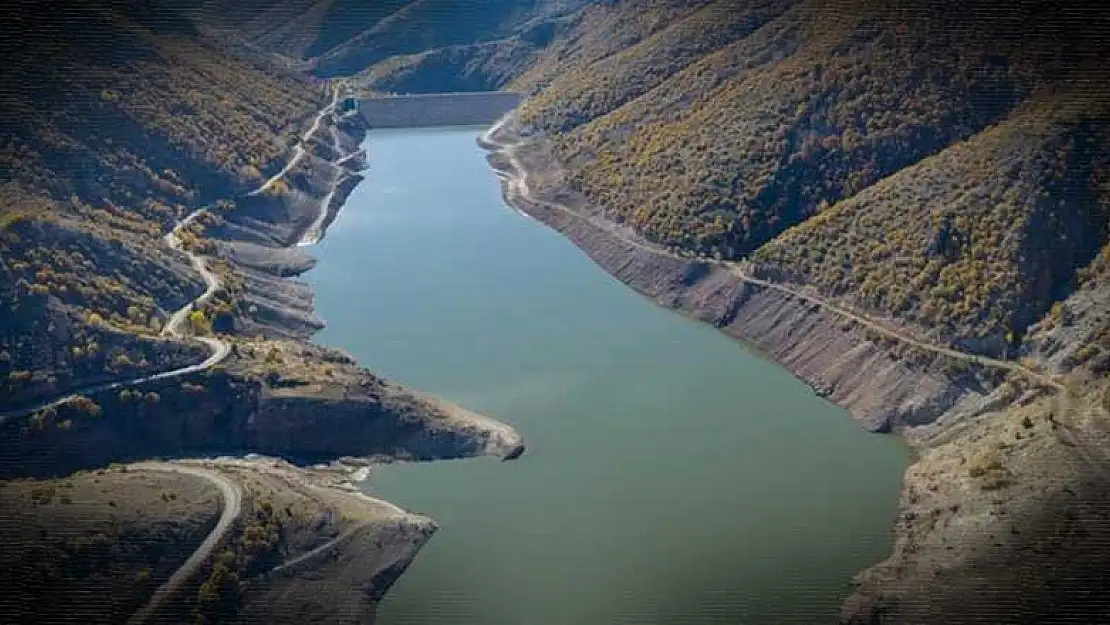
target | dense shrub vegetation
x=975, y=242
x=254, y=548
x=750, y=139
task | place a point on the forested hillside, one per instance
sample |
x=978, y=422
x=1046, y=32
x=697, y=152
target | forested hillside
x=975, y=242
x=938, y=164
x=750, y=137
x=118, y=121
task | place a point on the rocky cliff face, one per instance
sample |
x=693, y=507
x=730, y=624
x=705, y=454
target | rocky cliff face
x=227, y=413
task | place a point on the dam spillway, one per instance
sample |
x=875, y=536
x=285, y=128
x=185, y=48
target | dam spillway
x=437, y=109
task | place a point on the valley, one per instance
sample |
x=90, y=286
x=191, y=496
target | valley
x=906, y=207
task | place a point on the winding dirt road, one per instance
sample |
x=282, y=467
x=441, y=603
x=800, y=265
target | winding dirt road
x=315, y=230
x=232, y=506
x=231, y=492
x=298, y=150
x=174, y=328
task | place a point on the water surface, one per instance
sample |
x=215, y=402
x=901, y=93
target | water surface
x=672, y=475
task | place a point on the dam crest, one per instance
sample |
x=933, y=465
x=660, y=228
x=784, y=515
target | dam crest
x=437, y=109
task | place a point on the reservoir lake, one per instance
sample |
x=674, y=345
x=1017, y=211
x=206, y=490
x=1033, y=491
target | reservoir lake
x=673, y=475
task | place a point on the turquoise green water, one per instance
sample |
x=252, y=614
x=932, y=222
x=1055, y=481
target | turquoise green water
x=672, y=476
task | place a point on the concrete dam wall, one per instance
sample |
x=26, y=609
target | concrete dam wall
x=438, y=109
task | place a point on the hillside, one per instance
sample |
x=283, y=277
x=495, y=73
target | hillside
x=165, y=538
x=105, y=151
x=748, y=140
x=560, y=39
x=343, y=37
x=154, y=183
x=736, y=123
x=97, y=544
x=102, y=154
x=975, y=243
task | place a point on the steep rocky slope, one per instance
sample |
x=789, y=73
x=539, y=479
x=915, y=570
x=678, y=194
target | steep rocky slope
x=102, y=156
x=977, y=242
x=766, y=114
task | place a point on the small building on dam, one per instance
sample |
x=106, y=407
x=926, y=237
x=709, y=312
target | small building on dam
x=348, y=104
x=437, y=109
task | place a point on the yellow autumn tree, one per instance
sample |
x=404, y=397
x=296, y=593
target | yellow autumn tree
x=199, y=322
